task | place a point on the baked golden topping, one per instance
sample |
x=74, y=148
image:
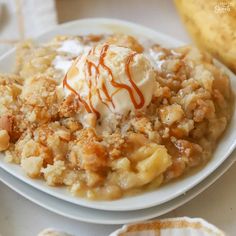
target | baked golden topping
x=107, y=116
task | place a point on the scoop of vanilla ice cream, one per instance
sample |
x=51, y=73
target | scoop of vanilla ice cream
x=110, y=78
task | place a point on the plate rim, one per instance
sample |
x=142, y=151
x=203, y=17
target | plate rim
x=182, y=199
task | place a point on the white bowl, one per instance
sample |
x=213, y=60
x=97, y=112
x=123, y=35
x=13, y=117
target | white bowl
x=148, y=199
x=170, y=227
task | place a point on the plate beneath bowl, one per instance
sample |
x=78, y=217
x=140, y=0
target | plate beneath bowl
x=147, y=199
x=109, y=217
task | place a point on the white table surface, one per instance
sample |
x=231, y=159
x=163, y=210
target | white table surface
x=20, y=217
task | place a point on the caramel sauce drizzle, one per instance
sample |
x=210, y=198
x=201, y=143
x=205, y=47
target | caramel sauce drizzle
x=65, y=84
x=104, y=88
x=108, y=99
x=141, y=97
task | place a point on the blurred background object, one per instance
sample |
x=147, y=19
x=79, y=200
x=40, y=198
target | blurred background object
x=20, y=19
x=212, y=25
x=157, y=14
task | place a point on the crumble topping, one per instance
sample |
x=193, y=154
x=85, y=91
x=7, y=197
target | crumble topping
x=53, y=137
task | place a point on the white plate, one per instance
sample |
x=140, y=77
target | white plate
x=148, y=199
x=108, y=217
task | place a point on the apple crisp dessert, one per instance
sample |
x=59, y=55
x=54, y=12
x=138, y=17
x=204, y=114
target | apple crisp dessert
x=108, y=116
